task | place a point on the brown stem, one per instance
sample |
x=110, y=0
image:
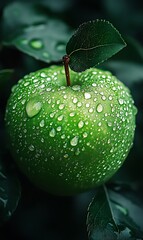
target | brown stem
x=66, y=60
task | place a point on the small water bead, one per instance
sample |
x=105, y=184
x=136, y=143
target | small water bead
x=63, y=136
x=87, y=95
x=75, y=100
x=80, y=124
x=77, y=152
x=85, y=135
x=110, y=98
x=79, y=104
x=87, y=105
x=59, y=128
x=72, y=114
x=121, y=101
x=33, y=107
x=60, y=118
x=66, y=155
x=42, y=140
x=36, y=43
x=48, y=89
x=23, y=101
x=90, y=110
x=52, y=114
x=103, y=98
x=74, y=141
x=99, y=124
x=31, y=148
x=76, y=87
x=109, y=124
x=95, y=99
x=99, y=108
x=42, y=123
x=26, y=84
x=52, y=133
x=61, y=106
x=94, y=84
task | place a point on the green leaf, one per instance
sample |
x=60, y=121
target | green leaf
x=100, y=222
x=5, y=75
x=93, y=43
x=46, y=42
x=9, y=193
x=112, y=207
x=17, y=16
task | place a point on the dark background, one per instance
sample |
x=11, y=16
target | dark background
x=43, y=216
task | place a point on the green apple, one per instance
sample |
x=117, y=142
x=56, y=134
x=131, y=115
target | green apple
x=69, y=139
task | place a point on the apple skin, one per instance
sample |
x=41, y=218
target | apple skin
x=70, y=139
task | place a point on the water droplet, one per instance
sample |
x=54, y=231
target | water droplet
x=60, y=47
x=80, y=124
x=52, y=133
x=94, y=84
x=121, y=101
x=42, y=140
x=76, y=87
x=74, y=141
x=99, y=108
x=103, y=98
x=87, y=95
x=79, y=104
x=60, y=118
x=61, y=106
x=31, y=147
x=43, y=75
x=60, y=174
x=85, y=134
x=66, y=156
x=48, y=89
x=72, y=114
x=42, y=123
x=36, y=43
x=75, y=100
x=26, y=84
x=95, y=99
x=33, y=107
x=99, y=124
x=110, y=98
x=77, y=152
x=59, y=128
x=23, y=101
x=24, y=41
x=46, y=55
x=109, y=124
x=63, y=136
x=90, y=110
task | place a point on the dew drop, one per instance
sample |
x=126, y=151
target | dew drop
x=74, y=141
x=99, y=108
x=59, y=128
x=42, y=123
x=60, y=47
x=80, y=124
x=85, y=134
x=79, y=104
x=60, y=118
x=76, y=87
x=36, y=43
x=75, y=100
x=66, y=155
x=31, y=148
x=103, y=98
x=52, y=133
x=121, y=101
x=33, y=107
x=87, y=95
x=72, y=114
x=91, y=110
x=94, y=84
x=61, y=106
x=110, y=98
x=77, y=152
x=26, y=84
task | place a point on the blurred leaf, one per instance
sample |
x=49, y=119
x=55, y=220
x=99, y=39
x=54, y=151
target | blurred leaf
x=92, y=43
x=54, y=5
x=5, y=75
x=17, y=16
x=108, y=218
x=46, y=42
x=100, y=222
x=9, y=193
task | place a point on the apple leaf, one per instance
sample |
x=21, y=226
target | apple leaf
x=93, y=43
x=111, y=214
x=30, y=30
x=10, y=193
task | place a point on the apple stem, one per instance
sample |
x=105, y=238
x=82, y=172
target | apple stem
x=66, y=60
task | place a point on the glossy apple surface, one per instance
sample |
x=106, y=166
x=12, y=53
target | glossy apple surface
x=70, y=139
